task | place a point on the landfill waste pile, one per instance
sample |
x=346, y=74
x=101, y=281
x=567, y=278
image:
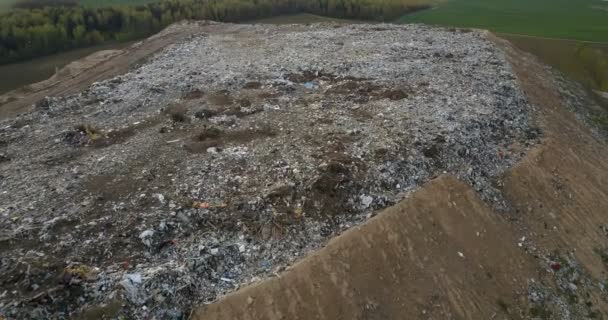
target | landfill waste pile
x=226, y=157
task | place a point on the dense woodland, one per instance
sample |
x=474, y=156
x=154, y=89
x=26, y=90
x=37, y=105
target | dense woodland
x=40, y=27
x=34, y=4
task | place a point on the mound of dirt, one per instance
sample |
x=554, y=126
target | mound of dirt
x=98, y=66
x=70, y=71
x=79, y=66
x=229, y=155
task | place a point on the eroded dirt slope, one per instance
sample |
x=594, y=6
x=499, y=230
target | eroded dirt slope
x=99, y=66
x=433, y=256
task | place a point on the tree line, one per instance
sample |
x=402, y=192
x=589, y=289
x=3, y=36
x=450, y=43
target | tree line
x=33, y=4
x=31, y=29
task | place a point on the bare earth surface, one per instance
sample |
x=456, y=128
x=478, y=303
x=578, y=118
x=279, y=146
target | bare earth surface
x=227, y=156
x=80, y=74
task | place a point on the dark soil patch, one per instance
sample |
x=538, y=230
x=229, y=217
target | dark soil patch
x=394, y=94
x=354, y=87
x=252, y=85
x=305, y=76
x=326, y=121
x=268, y=95
x=64, y=157
x=209, y=133
x=87, y=135
x=220, y=98
x=432, y=151
x=4, y=158
x=308, y=76
x=194, y=94
x=240, y=112
x=241, y=108
x=329, y=194
x=362, y=115
x=82, y=134
x=111, y=187
x=177, y=113
x=213, y=137
x=364, y=89
x=205, y=113
x=244, y=136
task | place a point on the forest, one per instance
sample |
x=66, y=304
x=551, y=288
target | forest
x=40, y=27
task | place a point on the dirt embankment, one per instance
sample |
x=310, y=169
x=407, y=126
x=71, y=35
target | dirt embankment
x=99, y=66
x=443, y=254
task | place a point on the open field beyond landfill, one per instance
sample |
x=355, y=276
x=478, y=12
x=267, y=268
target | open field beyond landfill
x=579, y=20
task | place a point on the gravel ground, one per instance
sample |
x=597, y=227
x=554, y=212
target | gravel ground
x=226, y=157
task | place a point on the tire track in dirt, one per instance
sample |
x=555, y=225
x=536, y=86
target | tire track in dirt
x=107, y=69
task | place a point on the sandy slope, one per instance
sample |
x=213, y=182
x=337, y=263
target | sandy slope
x=80, y=74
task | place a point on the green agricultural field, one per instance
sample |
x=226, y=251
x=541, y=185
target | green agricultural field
x=585, y=62
x=567, y=19
x=6, y=4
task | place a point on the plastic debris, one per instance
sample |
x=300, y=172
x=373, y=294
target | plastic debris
x=146, y=237
x=336, y=138
x=555, y=266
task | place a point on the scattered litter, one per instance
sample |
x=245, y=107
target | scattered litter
x=309, y=85
x=131, y=284
x=246, y=192
x=145, y=237
x=201, y=205
x=160, y=198
x=366, y=201
x=77, y=272
x=521, y=242
x=134, y=277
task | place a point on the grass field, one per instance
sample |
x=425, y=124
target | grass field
x=567, y=19
x=6, y=4
x=564, y=55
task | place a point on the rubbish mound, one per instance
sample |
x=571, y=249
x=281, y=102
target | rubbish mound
x=228, y=156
